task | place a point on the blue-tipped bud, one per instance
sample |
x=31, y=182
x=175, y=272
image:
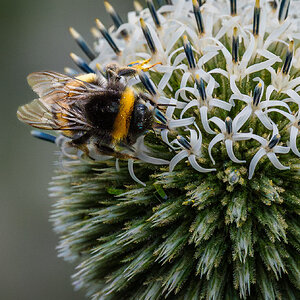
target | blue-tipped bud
x=108, y=37
x=43, y=136
x=228, y=125
x=81, y=63
x=160, y=117
x=148, y=36
x=189, y=53
x=147, y=83
x=274, y=141
x=201, y=87
x=198, y=16
x=153, y=13
x=82, y=44
x=233, y=7
x=183, y=142
x=116, y=18
x=257, y=94
x=283, y=10
x=288, y=58
x=235, y=45
x=256, y=18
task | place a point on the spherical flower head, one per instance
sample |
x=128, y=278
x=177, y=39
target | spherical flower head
x=206, y=207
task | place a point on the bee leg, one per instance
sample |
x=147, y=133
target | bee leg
x=106, y=150
x=81, y=144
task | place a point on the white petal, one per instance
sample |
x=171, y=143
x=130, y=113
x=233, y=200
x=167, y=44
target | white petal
x=219, y=71
x=131, y=172
x=211, y=85
x=179, y=58
x=295, y=97
x=191, y=90
x=293, y=140
x=281, y=149
x=263, y=117
x=194, y=138
x=241, y=118
x=195, y=165
x=152, y=160
x=206, y=57
x=188, y=106
x=164, y=137
x=272, y=103
x=233, y=85
x=293, y=83
x=287, y=115
x=267, y=54
x=242, y=136
x=177, y=158
x=276, y=163
x=218, y=138
x=181, y=122
x=175, y=37
x=270, y=90
x=218, y=122
x=221, y=104
x=204, y=119
x=260, y=139
x=276, y=33
x=248, y=53
x=259, y=154
x=259, y=66
x=164, y=81
x=229, y=148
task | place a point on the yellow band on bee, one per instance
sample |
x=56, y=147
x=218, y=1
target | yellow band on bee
x=122, y=121
x=89, y=78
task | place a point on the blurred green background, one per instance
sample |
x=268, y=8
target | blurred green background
x=34, y=37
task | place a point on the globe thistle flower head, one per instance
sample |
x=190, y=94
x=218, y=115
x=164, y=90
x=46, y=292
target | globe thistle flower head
x=206, y=204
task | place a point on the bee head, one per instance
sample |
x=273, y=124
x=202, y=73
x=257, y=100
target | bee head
x=141, y=121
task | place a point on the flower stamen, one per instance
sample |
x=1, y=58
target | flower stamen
x=189, y=53
x=256, y=18
x=228, y=125
x=183, y=142
x=235, y=46
x=148, y=36
x=108, y=37
x=81, y=63
x=283, y=10
x=257, y=94
x=153, y=13
x=274, y=141
x=233, y=7
x=198, y=16
x=116, y=18
x=201, y=88
x=288, y=58
x=82, y=44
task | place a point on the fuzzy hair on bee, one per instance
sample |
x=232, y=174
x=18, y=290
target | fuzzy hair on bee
x=88, y=109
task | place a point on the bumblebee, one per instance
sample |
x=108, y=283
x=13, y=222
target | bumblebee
x=88, y=109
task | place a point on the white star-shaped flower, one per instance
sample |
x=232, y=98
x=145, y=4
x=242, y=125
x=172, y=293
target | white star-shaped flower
x=270, y=149
x=229, y=134
x=191, y=150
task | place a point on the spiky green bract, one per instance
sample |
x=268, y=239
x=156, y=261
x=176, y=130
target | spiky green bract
x=186, y=235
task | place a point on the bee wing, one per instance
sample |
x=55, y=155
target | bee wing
x=52, y=87
x=54, y=109
x=37, y=115
x=53, y=116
